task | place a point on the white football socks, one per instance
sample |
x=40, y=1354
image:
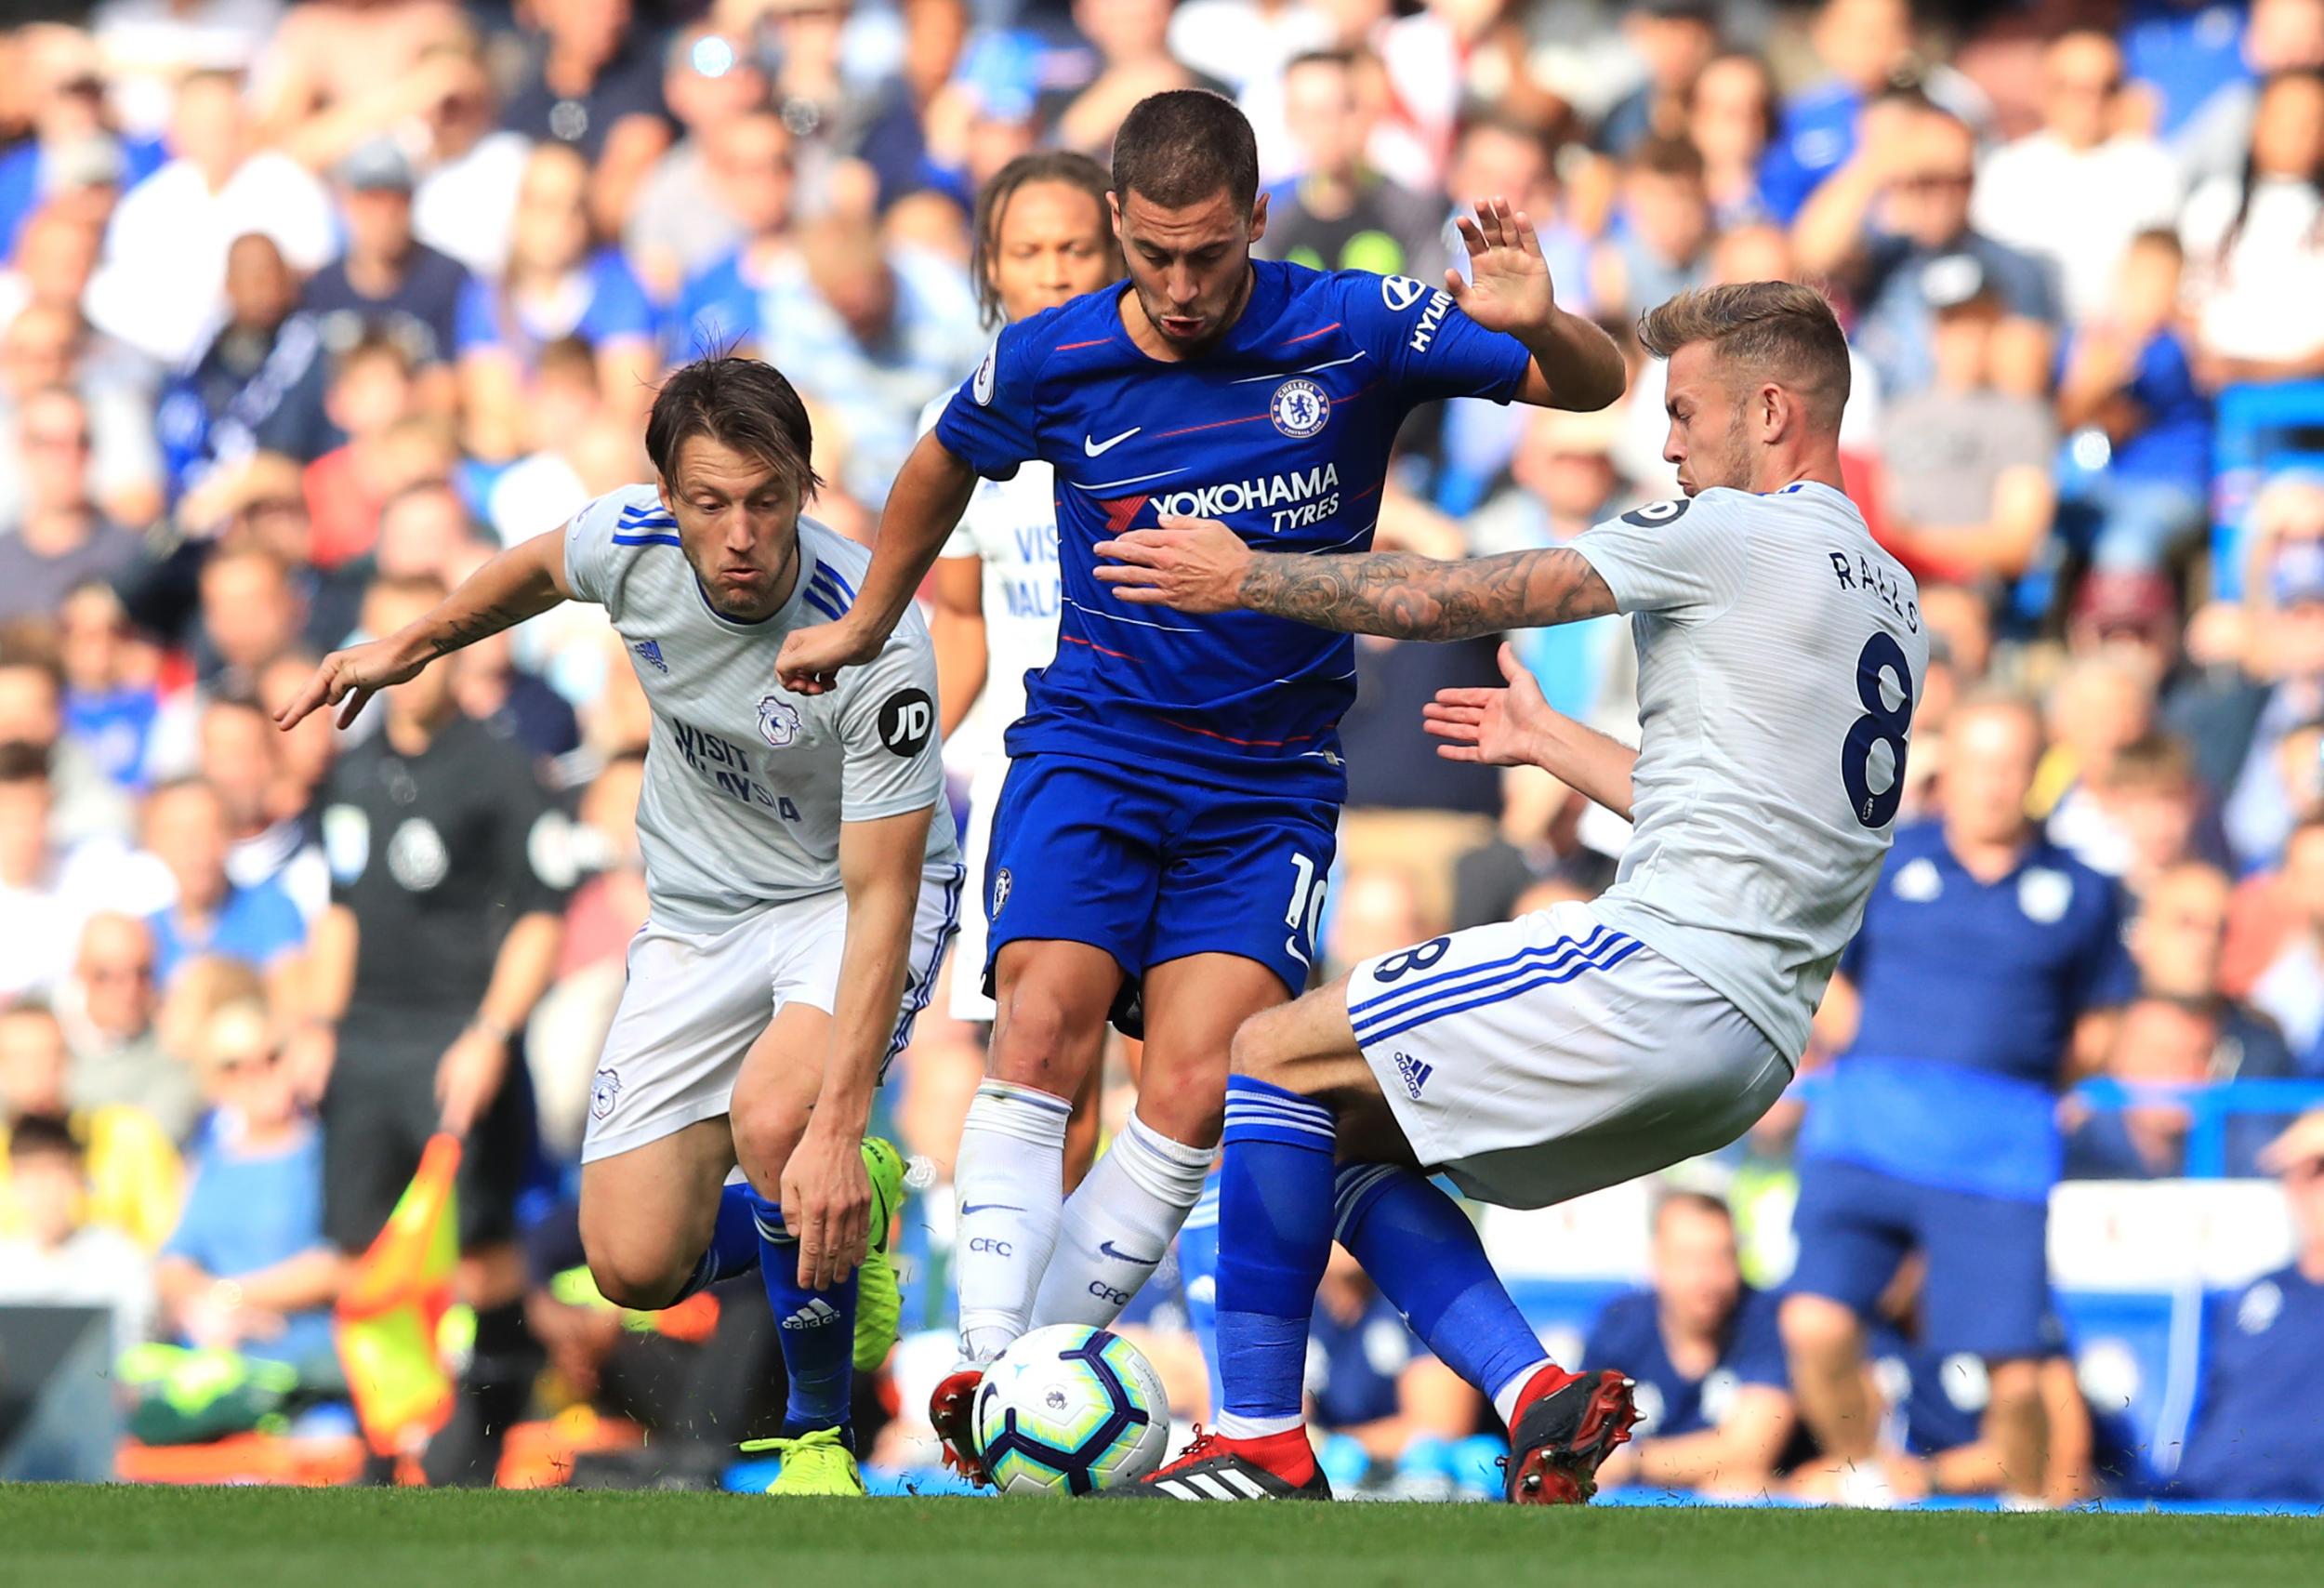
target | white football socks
x=1009, y=1176
x=1118, y=1224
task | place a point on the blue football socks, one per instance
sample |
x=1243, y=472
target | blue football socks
x=1424, y=1254
x=733, y=1242
x=1276, y=1217
x=817, y=1328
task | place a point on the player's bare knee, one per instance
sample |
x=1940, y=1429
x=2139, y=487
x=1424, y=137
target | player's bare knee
x=631, y=1270
x=1817, y=1328
x=1257, y=1050
x=766, y=1130
x=1184, y=1100
x=1038, y=1042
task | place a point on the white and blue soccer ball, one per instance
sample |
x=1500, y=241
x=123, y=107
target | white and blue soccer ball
x=1070, y=1409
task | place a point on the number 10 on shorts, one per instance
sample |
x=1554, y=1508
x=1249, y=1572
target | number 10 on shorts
x=1304, y=914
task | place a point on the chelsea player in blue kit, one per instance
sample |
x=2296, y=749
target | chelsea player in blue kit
x=1160, y=846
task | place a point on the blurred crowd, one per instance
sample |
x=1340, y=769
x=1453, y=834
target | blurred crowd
x=306, y=307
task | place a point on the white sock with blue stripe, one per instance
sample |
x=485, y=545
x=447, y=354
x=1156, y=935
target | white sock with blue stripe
x=1118, y=1224
x=1011, y=1179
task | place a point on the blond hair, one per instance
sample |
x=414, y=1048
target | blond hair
x=1771, y=330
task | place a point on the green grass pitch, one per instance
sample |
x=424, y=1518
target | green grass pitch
x=253, y=1538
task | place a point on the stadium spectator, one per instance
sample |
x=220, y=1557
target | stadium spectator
x=2213, y=138
x=46, y=346
x=2255, y=243
x=112, y=702
x=337, y=71
x=107, y=1011
x=448, y=873
x=389, y=284
x=132, y=1168
x=258, y=385
x=247, y=1269
x=2256, y=1435
x=251, y=613
x=2128, y=374
x=1968, y=495
x=1731, y=118
x=1674, y=40
x=2076, y=191
x=2290, y=989
x=60, y=540
x=1984, y=975
x=2280, y=775
x=1382, y=1402
x=466, y=198
x=84, y=803
x=684, y=221
x=1339, y=212
x=2098, y=707
x=556, y=285
x=1714, y=1402
x=1131, y=59
x=162, y=285
x=1663, y=229
x=2138, y=816
x=373, y=400
x=1898, y=210
x=186, y=830
x=37, y=913
x=270, y=841
x=57, y=1254
x=591, y=83
x=750, y=156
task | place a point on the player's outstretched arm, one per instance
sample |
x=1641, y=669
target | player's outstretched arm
x=1515, y=726
x=827, y=1199
x=1197, y=566
x=1507, y=289
x=523, y=582
x=930, y=493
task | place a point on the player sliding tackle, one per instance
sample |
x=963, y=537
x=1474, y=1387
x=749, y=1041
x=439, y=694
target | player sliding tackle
x=1160, y=843
x=1779, y=654
x=803, y=880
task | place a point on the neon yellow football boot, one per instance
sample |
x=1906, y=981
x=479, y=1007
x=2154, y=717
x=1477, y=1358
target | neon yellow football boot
x=814, y=1462
x=878, y=1301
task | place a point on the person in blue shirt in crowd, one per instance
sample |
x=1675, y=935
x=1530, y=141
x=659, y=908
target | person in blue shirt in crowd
x=1713, y=1397
x=1897, y=207
x=2180, y=52
x=186, y=830
x=2257, y=1432
x=2127, y=378
x=248, y=1269
x=1983, y=972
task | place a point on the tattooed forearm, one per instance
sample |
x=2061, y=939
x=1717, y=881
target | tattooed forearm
x=465, y=629
x=1418, y=598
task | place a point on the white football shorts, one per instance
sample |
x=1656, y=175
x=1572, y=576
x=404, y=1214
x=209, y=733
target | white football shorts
x=1538, y=1059
x=696, y=1001
x=968, y=1000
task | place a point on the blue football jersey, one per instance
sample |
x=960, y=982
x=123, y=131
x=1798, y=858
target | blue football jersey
x=1282, y=431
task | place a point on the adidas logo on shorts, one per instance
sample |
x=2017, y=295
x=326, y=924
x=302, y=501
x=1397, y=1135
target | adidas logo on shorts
x=1415, y=1074
x=814, y=1315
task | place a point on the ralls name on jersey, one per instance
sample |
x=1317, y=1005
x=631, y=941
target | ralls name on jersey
x=726, y=767
x=1855, y=572
x=1291, y=501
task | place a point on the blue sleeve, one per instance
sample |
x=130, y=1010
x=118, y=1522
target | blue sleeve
x=2109, y=977
x=1427, y=343
x=1756, y=1351
x=196, y=1238
x=474, y=324
x=990, y=424
x=618, y=306
x=2163, y=380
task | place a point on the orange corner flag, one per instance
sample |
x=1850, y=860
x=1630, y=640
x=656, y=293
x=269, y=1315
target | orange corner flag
x=387, y=1320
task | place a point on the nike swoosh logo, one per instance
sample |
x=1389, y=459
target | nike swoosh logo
x=1092, y=447
x=1293, y=946
x=1105, y=1247
x=967, y=1208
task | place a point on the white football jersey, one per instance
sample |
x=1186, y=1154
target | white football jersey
x=745, y=782
x=1780, y=653
x=1011, y=527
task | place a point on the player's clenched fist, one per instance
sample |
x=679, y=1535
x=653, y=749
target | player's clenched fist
x=1190, y=564
x=811, y=659
x=354, y=676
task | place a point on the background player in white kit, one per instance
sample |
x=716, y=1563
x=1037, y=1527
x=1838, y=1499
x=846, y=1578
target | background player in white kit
x=801, y=868
x=1779, y=655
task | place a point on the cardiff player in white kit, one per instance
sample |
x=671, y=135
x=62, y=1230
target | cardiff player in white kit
x=1780, y=652
x=802, y=871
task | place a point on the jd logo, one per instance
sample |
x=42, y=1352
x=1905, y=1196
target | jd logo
x=907, y=721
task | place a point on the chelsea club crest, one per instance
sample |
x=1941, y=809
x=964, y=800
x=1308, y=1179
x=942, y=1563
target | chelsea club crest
x=778, y=721
x=1300, y=408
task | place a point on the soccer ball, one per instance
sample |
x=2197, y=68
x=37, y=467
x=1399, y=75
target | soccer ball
x=1070, y=1409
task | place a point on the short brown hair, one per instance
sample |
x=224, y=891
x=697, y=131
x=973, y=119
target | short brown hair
x=1183, y=147
x=1668, y=155
x=1777, y=330
x=740, y=402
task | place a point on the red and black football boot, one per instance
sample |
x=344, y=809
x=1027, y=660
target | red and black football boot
x=1566, y=1424
x=952, y=1413
x=1279, y=1466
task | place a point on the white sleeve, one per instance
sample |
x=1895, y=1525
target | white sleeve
x=589, y=545
x=1681, y=556
x=894, y=756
